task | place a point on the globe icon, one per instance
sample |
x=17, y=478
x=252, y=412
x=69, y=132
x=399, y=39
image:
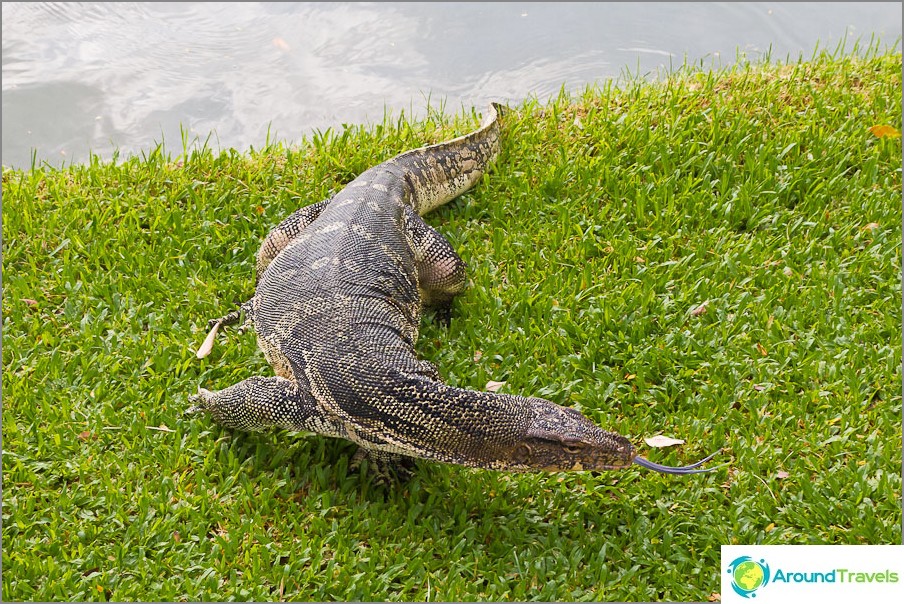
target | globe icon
x=748, y=575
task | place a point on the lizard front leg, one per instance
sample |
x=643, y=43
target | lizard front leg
x=384, y=467
x=259, y=403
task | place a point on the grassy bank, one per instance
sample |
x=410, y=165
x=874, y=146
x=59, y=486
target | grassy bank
x=714, y=257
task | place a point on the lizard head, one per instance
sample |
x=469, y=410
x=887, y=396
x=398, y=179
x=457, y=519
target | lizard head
x=560, y=439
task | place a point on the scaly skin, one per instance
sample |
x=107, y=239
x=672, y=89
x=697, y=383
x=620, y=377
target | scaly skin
x=341, y=288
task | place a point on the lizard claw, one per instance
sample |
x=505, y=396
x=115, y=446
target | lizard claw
x=200, y=401
x=443, y=314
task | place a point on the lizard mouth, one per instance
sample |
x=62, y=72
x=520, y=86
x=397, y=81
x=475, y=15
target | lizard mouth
x=693, y=468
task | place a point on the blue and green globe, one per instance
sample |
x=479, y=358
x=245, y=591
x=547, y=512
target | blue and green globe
x=748, y=575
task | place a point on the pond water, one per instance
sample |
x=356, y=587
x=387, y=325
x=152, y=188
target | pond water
x=81, y=77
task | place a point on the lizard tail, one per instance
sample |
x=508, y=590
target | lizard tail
x=439, y=173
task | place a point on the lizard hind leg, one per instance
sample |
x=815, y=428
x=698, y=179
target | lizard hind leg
x=441, y=271
x=230, y=318
x=286, y=231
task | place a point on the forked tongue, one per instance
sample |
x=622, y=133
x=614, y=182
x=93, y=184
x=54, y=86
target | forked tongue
x=694, y=468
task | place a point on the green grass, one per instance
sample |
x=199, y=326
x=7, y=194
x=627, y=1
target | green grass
x=609, y=216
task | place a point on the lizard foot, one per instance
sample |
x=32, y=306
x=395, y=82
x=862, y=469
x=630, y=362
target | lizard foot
x=442, y=313
x=231, y=318
x=384, y=468
x=200, y=401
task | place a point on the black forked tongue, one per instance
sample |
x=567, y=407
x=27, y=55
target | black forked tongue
x=694, y=468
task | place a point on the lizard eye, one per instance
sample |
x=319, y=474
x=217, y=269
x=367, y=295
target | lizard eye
x=572, y=448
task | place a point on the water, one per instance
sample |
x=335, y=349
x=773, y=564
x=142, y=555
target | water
x=99, y=77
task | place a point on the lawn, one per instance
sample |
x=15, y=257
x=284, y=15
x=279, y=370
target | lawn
x=713, y=256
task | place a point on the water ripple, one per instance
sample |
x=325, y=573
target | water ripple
x=124, y=75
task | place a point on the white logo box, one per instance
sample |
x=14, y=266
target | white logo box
x=771, y=574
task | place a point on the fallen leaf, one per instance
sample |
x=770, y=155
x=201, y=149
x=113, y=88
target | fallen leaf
x=207, y=345
x=177, y=537
x=758, y=387
x=639, y=260
x=281, y=44
x=871, y=226
x=477, y=355
x=630, y=376
x=700, y=309
x=762, y=349
x=663, y=441
x=494, y=386
x=769, y=527
x=259, y=210
x=161, y=428
x=715, y=597
x=85, y=435
x=30, y=302
x=781, y=474
x=885, y=131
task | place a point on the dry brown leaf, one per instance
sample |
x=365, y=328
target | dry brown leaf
x=700, y=309
x=85, y=435
x=762, y=349
x=781, y=474
x=30, y=302
x=660, y=441
x=494, y=386
x=758, y=387
x=871, y=226
x=885, y=131
x=715, y=597
x=207, y=345
x=477, y=355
